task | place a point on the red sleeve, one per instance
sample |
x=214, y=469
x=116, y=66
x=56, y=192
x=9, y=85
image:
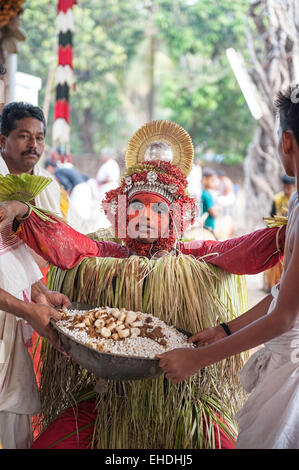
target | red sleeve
x=62, y=246
x=249, y=254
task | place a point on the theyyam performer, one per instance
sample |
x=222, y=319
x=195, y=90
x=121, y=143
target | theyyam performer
x=143, y=265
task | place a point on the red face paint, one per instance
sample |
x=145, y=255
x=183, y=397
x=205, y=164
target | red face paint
x=148, y=217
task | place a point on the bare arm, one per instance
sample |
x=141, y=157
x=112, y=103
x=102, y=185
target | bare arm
x=211, y=335
x=180, y=364
x=251, y=315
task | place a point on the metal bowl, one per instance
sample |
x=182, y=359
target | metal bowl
x=106, y=365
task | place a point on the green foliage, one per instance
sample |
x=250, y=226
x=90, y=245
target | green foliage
x=119, y=43
x=201, y=92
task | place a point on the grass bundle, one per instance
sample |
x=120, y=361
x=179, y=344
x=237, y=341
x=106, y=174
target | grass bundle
x=153, y=413
x=276, y=221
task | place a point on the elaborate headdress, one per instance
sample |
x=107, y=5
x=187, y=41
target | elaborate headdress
x=159, y=158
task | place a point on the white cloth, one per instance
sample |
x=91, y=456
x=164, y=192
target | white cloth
x=18, y=271
x=86, y=198
x=15, y=431
x=50, y=198
x=270, y=417
x=109, y=171
x=194, y=182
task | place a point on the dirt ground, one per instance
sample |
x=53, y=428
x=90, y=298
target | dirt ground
x=255, y=289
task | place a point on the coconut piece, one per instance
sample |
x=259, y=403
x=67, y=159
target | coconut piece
x=99, y=323
x=122, y=316
x=105, y=332
x=131, y=316
x=124, y=333
x=136, y=324
x=111, y=326
x=135, y=332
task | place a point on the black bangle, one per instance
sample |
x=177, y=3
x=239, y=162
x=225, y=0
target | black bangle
x=18, y=220
x=25, y=216
x=226, y=328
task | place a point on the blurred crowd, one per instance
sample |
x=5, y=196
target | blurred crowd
x=86, y=193
x=215, y=193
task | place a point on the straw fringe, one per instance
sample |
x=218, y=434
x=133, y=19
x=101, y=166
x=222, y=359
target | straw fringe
x=183, y=292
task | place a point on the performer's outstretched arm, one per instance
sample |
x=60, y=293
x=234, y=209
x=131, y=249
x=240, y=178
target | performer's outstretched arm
x=64, y=247
x=61, y=245
x=249, y=254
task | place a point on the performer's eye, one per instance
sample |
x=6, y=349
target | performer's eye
x=136, y=206
x=160, y=207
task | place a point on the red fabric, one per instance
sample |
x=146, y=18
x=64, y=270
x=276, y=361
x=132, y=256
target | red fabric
x=61, y=245
x=62, y=110
x=249, y=254
x=35, y=349
x=65, y=55
x=73, y=429
x=64, y=247
x=64, y=5
x=34, y=352
x=222, y=440
x=62, y=433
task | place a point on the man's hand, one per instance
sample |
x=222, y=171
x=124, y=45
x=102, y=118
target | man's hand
x=39, y=316
x=9, y=210
x=40, y=294
x=46, y=301
x=52, y=299
x=179, y=364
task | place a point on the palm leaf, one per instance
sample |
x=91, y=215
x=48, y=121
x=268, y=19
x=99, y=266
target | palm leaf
x=25, y=188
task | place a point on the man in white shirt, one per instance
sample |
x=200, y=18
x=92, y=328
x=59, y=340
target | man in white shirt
x=107, y=178
x=109, y=172
x=19, y=286
x=22, y=142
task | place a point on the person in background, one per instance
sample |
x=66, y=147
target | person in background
x=226, y=199
x=109, y=172
x=280, y=204
x=280, y=207
x=66, y=173
x=208, y=206
x=107, y=178
x=194, y=180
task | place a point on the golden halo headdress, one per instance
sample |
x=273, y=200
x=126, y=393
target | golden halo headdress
x=161, y=140
x=159, y=158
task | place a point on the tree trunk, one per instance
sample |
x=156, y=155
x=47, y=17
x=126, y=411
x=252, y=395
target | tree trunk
x=87, y=131
x=273, y=44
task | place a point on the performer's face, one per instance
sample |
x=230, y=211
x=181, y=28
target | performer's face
x=148, y=218
x=24, y=145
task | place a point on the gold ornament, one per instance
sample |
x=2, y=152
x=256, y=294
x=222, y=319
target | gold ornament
x=161, y=140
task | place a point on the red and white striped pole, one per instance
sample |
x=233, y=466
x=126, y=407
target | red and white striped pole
x=64, y=79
